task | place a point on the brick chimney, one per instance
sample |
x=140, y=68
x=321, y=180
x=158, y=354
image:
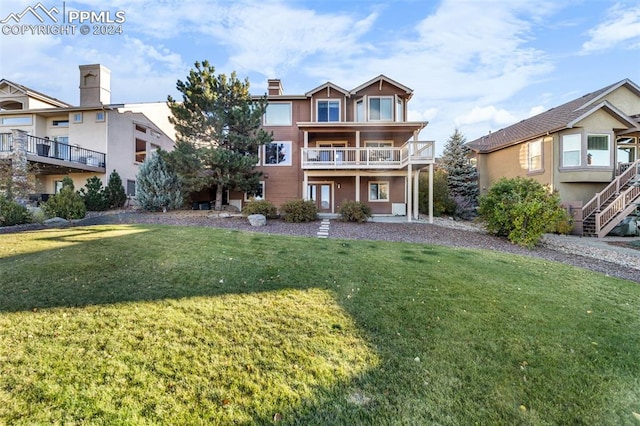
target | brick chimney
x=274, y=86
x=95, y=85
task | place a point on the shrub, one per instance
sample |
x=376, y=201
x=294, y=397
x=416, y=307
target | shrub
x=522, y=210
x=299, y=211
x=157, y=186
x=443, y=204
x=13, y=213
x=114, y=191
x=94, y=196
x=66, y=204
x=354, y=211
x=262, y=207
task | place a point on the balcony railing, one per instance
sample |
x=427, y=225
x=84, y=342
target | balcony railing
x=420, y=152
x=52, y=149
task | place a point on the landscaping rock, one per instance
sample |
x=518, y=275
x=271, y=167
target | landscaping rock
x=257, y=220
x=56, y=222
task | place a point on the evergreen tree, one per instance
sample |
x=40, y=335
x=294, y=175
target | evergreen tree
x=67, y=203
x=219, y=132
x=157, y=186
x=462, y=176
x=114, y=192
x=94, y=196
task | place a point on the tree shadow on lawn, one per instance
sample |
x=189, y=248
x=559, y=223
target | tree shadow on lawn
x=112, y=265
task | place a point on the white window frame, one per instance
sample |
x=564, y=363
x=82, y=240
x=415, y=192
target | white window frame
x=289, y=120
x=360, y=112
x=534, y=150
x=77, y=117
x=391, y=109
x=288, y=154
x=378, y=199
x=590, y=161
x=100, y=116
x=248, y=197
x=399, y=109
x=571, y=139
x=328, y=101
x=17, y=121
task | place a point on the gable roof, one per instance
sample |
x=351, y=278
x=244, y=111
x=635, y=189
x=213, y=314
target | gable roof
x=35, y=94
x=380, y=79
x=327, y=85
x=562, y=117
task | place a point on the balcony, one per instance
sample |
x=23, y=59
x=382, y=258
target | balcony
x=418, y=153
x=52, y=156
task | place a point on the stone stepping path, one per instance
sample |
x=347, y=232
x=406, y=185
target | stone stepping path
x=323, y=231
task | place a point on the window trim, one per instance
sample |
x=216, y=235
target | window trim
x=77, y=117
x=287, y=162
x=60, y=123
x=290, y=121
x=100, y=116
x=530, y=157
x=328, y=101
x=378, y=200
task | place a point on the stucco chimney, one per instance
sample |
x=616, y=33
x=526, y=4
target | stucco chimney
x=95, y=85
x=275, y=86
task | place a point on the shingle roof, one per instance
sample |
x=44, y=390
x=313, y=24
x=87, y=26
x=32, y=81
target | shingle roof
x=549, y=121
x=35, y=93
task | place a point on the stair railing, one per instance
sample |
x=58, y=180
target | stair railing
x=610, y=190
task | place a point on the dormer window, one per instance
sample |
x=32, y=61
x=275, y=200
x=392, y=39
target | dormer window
x=328, y=111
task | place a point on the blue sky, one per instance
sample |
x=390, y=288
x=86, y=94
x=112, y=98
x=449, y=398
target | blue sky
x=476, y=65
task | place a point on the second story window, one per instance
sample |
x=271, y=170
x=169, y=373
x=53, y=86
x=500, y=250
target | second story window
x=380, y=109
x=328, y=111
x=60, y=123
x=399, y=110
x=278, y=114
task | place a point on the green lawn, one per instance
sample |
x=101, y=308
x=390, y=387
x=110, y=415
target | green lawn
x=185, y=325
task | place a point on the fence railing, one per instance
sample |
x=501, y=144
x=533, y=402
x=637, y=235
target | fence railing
x=44, y=147
x=367, y=157
x=6, y=142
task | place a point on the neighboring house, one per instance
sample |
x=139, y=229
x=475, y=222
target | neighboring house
x=331, y=145
x=587, y=149
x=91, y=139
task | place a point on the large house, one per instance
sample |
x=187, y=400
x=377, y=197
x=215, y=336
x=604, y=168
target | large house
x=331, y=145
x=587, y=149
x=92, y=139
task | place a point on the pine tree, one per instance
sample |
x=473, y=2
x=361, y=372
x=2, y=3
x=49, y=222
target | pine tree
x=114, y=192
x=93, y=195
x=157, y=186
x=462, y=176
x=219, y=131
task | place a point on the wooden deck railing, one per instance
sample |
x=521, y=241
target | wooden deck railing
x=368, y=157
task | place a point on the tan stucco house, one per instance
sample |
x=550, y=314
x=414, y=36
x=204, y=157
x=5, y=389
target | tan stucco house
x=90, y=139
x=331, y=145
x=587, y=149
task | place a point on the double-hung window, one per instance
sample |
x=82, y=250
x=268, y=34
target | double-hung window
x=571, y=150
x=534, y=155
x=328, y=111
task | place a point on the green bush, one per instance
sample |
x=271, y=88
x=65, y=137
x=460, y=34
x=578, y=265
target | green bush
x=299, y=211
x=354, y=211
x=262, y=207
x=522, y=210
x=13, y=213
x=67, y=203
x=93, y=195
x=443, y=203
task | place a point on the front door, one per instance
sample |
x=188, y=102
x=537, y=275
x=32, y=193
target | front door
x=320, y=193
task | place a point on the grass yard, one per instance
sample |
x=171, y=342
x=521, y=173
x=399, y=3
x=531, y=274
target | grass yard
x=186, y=325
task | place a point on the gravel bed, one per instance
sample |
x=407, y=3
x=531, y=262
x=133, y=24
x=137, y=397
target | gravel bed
x=568, y=250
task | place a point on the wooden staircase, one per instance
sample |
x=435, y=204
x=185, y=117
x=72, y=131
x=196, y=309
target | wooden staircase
x=610, y=206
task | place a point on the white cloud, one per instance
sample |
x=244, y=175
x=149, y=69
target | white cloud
x=538, y=109
x=620, y=27
x=489, y=114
